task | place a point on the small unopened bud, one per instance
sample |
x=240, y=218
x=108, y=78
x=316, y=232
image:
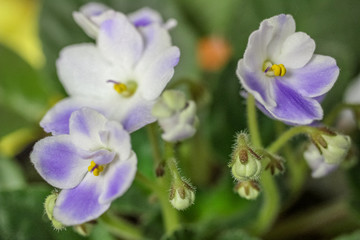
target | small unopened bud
x=176, y=116
x=49, y=208
x=276, y=165
x=333, y=146
x=182, y=196
x=319, y=168
x=249, y=190
x=245, y=162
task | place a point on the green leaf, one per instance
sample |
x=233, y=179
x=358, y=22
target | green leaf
x=11, y=176
x=22, y=216
x=21, y=88
x=352, y=236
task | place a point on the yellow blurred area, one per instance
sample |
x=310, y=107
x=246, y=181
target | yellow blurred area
x=19, y=29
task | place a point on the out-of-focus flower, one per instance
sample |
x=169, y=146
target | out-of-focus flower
x=349, y=119
x=316, y=162
x=93, y=165
x=245, y=162
x=213, y=53
x=176, y=116
x=92, y=15
x=249, y=190
x=19, y=29
x=282, y=72
x=120, y=76
x=332, y=146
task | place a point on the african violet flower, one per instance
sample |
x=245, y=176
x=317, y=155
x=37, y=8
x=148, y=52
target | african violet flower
x=176, y=116
x=282, y=72
x=91, y=16
x=317, y=163
x=93, y=165
x=120, y=76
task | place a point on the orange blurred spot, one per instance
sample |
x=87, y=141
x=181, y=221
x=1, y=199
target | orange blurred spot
x=213, y=53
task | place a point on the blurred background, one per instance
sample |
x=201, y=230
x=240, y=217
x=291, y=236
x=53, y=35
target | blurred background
x=212, y=36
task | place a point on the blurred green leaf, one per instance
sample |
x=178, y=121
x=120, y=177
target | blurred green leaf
x=352, y=236
x=21, y=88
x=11, y=176
x=22, y=216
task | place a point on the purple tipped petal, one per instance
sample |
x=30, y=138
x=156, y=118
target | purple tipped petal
x=118, y=178
x=294, y=108
x=315, y=78
x=257, y=83
x=85, y=125
x=138, y=116
x=145, y=17
x=120, y=42
x=58, y=161
x=81, y=204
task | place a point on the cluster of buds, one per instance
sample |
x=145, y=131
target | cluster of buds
x=177, y=116
x=182, y=194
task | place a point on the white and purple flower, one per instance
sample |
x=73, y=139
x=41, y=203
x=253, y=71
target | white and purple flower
x=93, y=165
x=121, y=75
x=282, y=72
x=317, y=163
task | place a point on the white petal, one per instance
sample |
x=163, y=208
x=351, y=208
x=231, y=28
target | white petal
x=118, y=139
x=120, y=42
x=84, y=72
x=296, y=51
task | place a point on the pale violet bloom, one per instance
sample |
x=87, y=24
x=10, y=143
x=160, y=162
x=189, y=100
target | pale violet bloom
x=317, y=163
x=349, y=120
x=91, y=16
x=120, y=76
x=93, y=165
x=281, y=71
x=176, y=116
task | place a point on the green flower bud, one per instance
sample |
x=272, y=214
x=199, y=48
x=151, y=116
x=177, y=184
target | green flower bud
x=245, y=163
x=49, y=208
x=249, y=190
x=181, y=197
x=333, y=147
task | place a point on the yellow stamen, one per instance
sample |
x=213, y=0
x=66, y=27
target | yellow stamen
x=120, y=87
x=279, y=70
x=96, y=169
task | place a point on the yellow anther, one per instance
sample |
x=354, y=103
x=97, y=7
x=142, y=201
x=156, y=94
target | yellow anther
x=278, y=70
x=96, y=169
x=120, y=87
x=101, y=168
x=92, y=165
x=96, y=172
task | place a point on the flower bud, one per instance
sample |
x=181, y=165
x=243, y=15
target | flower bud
x=49, y=208
x=176, y=116
x=317, y=163
x=182, y=196
x=333, y=147
x=249, y=190
x=275, y=165
x=245, y=163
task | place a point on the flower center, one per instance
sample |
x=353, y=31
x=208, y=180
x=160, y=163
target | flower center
x=274, y=70
x=124, y=89
x=95, y=169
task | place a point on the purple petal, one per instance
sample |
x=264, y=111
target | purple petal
x=120, y=42
x=118, y=178
x=293, y=107
x=57, y=160
x=56, y=120
x=144, y=17
x=81, y=204
x=138, y=116
x=315, y=78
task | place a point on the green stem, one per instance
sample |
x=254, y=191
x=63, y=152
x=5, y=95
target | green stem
x=252, y=122
x=120, y=227
x=171, y=161
x=271, y=201
x=155, y=145
x=146, y=182
x=286, y=136
x=331, y=117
